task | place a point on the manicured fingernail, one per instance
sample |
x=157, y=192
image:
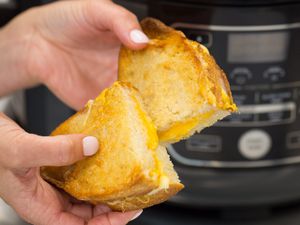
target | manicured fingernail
x=90, y=145
x=137, y=215
x=138, y=36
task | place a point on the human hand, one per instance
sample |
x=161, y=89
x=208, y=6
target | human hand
x=21, y=155
x=71, y=46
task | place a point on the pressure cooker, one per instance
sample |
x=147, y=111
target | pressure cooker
x=252, y=157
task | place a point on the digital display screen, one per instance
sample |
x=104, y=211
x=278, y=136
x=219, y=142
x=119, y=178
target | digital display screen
x=257, y=47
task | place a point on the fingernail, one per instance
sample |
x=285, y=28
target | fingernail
x=138, y=36
x=136, y=215
x=90, y=145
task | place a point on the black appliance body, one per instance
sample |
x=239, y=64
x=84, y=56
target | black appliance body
x=10, y=8
x=250, y=158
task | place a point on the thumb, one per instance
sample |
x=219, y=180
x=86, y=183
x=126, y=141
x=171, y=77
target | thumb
x=19, y=149
x=108, y=15
x=58, y=150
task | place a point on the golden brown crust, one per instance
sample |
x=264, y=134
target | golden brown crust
x=214, y=73
x=155, y=29
x=144, y=201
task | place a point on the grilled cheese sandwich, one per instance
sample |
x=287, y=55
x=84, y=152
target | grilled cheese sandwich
x=166, y=92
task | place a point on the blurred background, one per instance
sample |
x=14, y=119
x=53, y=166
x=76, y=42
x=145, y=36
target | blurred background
x=245, y=169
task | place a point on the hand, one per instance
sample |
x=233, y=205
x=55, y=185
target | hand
x=71, y=46
x=21, y=155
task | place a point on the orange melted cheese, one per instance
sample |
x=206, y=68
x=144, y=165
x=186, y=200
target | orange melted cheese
x=227, y=104
x=182, y=129
x=157, y=173
x=206, y=92
x=152, y=139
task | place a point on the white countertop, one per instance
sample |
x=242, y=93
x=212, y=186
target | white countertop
x=8, y=215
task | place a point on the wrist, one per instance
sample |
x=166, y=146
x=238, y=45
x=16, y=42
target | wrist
x=14, y=54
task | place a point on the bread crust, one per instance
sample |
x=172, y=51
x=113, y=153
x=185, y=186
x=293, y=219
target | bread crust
x=144, y=201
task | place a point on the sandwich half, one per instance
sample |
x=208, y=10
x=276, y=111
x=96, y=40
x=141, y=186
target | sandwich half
x=183, y=88
x=131, y=170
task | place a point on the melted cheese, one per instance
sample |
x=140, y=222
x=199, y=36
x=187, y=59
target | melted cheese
x=157, y=173
x=227, y=104
x=89, y=105
x=205, y=90
x=182, y=129
x=152, y=138
x=204, y=49
x=164, y=182
x=163, y=185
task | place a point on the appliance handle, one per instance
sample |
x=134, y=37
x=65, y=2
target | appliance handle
x=238, y=28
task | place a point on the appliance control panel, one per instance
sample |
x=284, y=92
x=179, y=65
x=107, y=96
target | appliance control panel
x=262, y=66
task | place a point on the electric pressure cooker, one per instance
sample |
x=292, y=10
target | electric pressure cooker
x=252, y=157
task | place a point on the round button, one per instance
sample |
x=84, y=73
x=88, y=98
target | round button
x=274, y=73
x=254, y=144
x=241, y=75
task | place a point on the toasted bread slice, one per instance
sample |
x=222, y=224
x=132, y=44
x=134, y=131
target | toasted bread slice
x=183, y=88
x=130, y=171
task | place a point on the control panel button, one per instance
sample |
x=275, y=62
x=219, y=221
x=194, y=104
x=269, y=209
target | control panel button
x=262, y=115
x=278, y=112
x=293, y=140
x=240, y=75
x=245, y=98
x=274, y=73
x=204, y=143
x=276, y=96
x=280, y=116
x=239, y=117
x=254, y=144
x=202, y=37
